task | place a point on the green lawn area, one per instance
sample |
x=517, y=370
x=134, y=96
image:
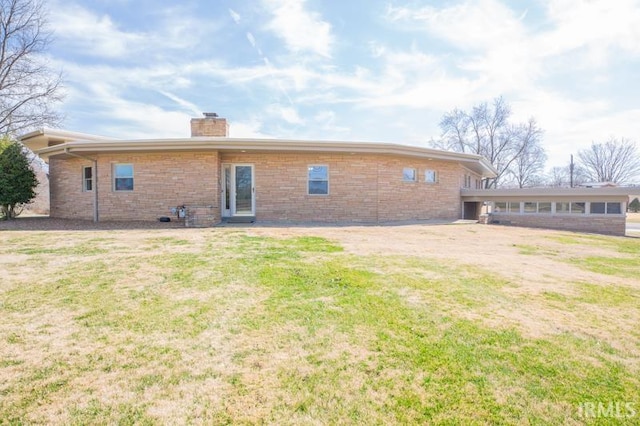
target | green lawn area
x=226, y=326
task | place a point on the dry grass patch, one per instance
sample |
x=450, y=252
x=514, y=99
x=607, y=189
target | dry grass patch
x=442, y=324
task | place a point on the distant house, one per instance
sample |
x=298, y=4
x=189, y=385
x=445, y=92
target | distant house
x=209, y=177
x=599, y=185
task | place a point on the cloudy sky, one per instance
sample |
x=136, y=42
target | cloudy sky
x=349, y=70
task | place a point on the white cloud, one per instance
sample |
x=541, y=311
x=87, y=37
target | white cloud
x=301, y=30
x=183, y=103
x=593, y=24
x=79, y=29
x=234, y=15
x=94, y=35
x=470, y=25
x=248, y=128
x=286, y=113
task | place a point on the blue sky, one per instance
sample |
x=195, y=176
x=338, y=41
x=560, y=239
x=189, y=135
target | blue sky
x=348, y=70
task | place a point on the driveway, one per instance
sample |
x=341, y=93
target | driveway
x=633, y=228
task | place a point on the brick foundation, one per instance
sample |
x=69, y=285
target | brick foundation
x=598, y=224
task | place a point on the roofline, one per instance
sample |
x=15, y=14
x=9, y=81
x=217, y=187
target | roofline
x=251, y=144
x=490, y=194
x=61, y=134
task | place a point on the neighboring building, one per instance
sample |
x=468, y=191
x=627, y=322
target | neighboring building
x=216, y=178
x=598, y=185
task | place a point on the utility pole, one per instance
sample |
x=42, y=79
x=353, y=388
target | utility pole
x=571, y=172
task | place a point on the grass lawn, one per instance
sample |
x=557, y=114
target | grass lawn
x=234, y=325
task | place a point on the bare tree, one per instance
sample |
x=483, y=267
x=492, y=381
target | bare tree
x=486, y=131
x=527, y=167
x=28, y=86
x=560, y=177
x=616, y=160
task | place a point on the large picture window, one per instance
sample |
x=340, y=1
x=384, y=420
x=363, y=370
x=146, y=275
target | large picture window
x=123, y=177
x=318, y=180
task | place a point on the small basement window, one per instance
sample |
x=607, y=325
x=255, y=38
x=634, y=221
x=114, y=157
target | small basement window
x=123, y=177
x=409, y=174
x=87, y=179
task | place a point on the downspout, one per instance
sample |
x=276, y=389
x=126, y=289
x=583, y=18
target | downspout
x=96, y=216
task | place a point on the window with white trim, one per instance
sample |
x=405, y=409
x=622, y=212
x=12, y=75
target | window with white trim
x=318, y=180
x=578, y=208
x=123, y=177
x=87, y=178
x=409, y=174
x=430, y=176
x=514, y=207
x=605, y=208
x=614, y=208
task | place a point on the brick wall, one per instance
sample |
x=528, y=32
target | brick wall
x=362, y=188
x=599, y=224
x=161, y=181
x=67, y=200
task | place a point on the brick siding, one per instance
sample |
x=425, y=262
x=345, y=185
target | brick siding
x=362, y=188
x=598, y=224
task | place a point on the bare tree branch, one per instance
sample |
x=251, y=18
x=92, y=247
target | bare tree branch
x=616, y=160
x=29, y=88
x=486, y=131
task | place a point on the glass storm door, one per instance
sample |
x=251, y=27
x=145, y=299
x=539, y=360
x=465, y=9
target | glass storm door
x=238, y=191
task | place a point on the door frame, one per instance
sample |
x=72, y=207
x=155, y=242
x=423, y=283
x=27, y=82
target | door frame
x=230, y=210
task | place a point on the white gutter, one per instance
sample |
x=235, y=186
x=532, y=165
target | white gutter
x=228, y=144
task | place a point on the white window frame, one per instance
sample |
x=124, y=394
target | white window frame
x=132, y=177
x=85, y=179
x=414, y=173
x=428, y=173
x=309, y=180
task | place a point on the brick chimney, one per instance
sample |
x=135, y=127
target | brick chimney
x=210, y=125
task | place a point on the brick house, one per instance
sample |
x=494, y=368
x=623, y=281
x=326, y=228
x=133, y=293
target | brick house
x=220, y=178
x=217, y=178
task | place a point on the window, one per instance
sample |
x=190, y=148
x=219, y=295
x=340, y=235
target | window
x=409, y=174
x=514, y=207
x=605, y=208
x=530, y=207
x=614, y=208
x=87, y=179
x=467, y=181
x=544, y=207
x=563, y=207
x=597, y=208
x=318, y=180
x=430, y=176
x=123, y=177
x=499, y=207
x=579, y=208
